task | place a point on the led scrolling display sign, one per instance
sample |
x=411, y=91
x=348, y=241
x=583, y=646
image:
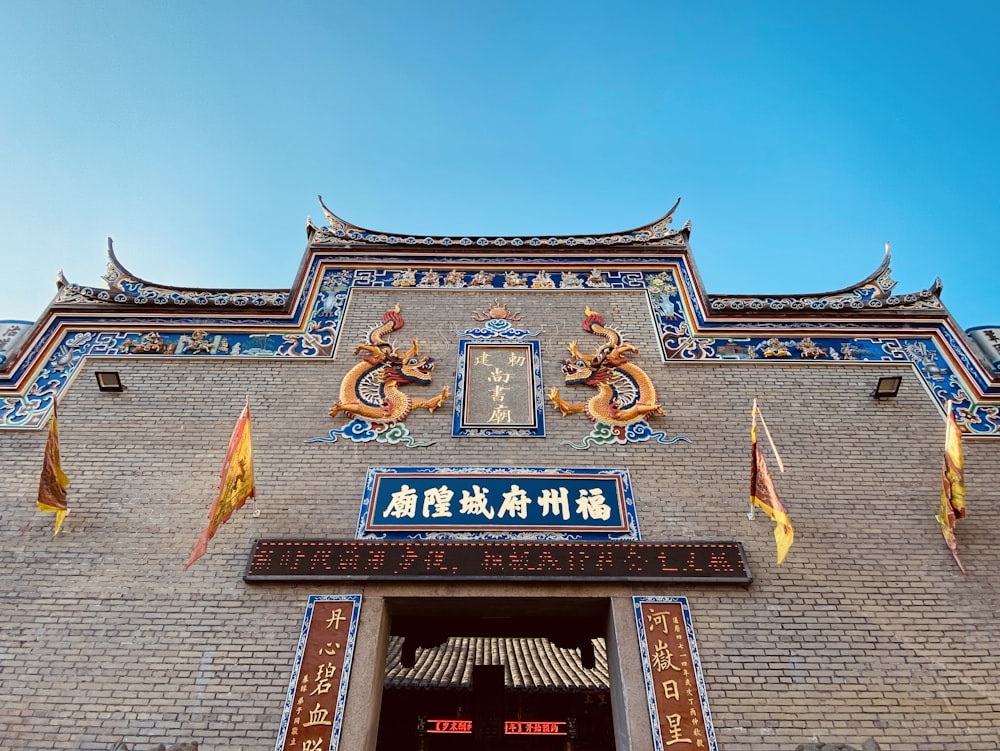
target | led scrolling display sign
x=364, y=560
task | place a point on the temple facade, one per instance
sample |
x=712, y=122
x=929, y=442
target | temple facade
x=502, y=501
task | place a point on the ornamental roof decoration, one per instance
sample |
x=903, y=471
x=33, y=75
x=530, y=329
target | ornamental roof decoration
x=339, y=232
x=867, y=322
x=124, y=288
x=872, y=293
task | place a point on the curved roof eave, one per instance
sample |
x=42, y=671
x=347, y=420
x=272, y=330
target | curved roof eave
x=874, y=291
x=339, y=230
x=126, y=288
x=117, y=274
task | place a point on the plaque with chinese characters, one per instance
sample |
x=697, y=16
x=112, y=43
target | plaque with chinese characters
x=11, y=334
x=498, y=390
x=317, y=691
x=497, y=502
x=675, y=688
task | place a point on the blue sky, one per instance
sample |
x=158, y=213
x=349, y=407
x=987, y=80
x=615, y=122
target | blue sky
x=800, y=135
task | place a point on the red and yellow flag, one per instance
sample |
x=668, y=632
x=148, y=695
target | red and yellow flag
x=764, y=496
x=952, y=484
x=53, y=482
x=236, y=484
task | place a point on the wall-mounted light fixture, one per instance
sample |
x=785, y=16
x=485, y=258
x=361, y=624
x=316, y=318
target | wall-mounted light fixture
x=887, y=387
x=109, y=380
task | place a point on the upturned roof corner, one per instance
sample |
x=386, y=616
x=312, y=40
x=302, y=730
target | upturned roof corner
x=875, y=291
x=657, y=233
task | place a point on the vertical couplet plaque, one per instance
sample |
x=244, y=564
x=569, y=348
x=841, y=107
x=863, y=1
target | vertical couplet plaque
x=675, y=688
x=317, y=691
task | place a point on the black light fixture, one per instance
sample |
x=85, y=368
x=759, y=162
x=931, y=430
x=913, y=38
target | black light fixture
x=109, y=380
x=887, y=387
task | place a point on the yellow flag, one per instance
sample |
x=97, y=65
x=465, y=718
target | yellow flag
x=764, y=496
x=952, y=484
x=236, y=484
x=53, y=481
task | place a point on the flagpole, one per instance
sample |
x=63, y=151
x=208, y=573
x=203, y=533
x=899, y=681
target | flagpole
x=753, y=465
x=253, y=479
x=770, y=440
x=947, y=514
x=58, y=526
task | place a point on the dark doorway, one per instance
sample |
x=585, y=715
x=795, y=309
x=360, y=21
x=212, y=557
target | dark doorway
x=548, y=690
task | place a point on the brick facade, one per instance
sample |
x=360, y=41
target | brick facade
x=867, y=630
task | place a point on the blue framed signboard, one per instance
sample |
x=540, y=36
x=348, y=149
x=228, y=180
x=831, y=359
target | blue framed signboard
x=498, y=390
x=497, y=503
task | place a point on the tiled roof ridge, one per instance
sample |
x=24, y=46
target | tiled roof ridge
x=532, y=663
x=872, y=292
x=339, y=230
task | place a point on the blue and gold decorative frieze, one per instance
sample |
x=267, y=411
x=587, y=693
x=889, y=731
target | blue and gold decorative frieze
x=427, y=277
x=134, y=318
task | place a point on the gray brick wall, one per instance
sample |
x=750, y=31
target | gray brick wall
x=868, y=629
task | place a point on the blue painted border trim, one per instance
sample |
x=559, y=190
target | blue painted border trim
x=941, y=356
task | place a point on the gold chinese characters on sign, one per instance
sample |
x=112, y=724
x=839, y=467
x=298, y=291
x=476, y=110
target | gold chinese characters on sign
x=319, y=680
x=678, y=702
x=499, y=386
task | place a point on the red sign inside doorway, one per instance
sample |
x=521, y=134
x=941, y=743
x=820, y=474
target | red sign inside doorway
x=511, y=727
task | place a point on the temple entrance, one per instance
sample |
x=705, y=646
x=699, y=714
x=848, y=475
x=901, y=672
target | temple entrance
x=497, y=674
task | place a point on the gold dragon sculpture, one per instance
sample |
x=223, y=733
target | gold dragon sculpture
x=370, y=390
x=624, y=391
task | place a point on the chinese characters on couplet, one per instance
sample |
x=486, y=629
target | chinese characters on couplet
x=319, y=679
x=513, y=504
x=678, y=702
